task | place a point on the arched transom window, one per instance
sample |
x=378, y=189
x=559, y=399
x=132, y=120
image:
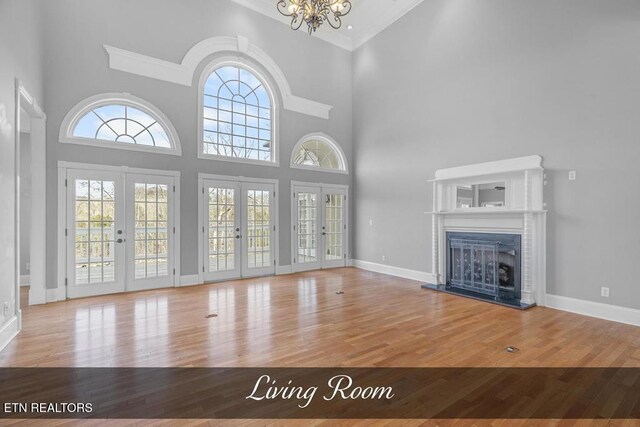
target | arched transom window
x=237, y=116
x=318, y=151
x=121, y=121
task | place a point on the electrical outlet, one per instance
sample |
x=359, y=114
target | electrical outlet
x=572, y=175
x=370, y=222
x=28, y=266
x=384, y=258
x=604, y=292
x=7, y=308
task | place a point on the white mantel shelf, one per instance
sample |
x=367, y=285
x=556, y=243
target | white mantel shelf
x=523, y=213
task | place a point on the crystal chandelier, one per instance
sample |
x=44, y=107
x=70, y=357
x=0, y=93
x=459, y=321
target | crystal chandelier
x=314, y=12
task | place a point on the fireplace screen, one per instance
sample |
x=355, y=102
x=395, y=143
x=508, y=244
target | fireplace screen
x=485, y=263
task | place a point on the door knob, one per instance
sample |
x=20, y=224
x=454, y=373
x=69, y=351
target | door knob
x=238, y=236
x=119, y=240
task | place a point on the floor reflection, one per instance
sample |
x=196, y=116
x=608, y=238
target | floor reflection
x=222, y=329
x=259, y=318
x=94, y=334
x=151, y=329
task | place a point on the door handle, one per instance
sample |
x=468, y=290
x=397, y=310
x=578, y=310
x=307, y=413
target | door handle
x=324, y=234
x=119, y=240
x=238, y=236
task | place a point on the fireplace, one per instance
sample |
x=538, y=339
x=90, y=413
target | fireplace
x=488, y=232
x=485, y=265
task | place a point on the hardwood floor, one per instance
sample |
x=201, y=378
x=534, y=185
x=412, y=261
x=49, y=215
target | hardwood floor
x=300, y=321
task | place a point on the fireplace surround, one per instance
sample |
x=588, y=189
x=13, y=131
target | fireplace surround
x=510, y=232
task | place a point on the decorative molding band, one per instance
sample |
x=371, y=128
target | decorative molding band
x=8, y=331
x=405, y=273
x=183, y=73
x=614, y=313
x=190, y=280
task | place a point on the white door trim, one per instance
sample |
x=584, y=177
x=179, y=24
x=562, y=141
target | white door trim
x=201, y=220
x=321, y=186
x=38, y=256
x=63, y=167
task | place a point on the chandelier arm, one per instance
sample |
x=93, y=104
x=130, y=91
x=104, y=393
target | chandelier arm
x=296, y=22
x=282, y=8
x=337, y=20
x=314, y=12
x=347, y=8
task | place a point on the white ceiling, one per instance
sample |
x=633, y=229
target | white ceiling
x=368, y=18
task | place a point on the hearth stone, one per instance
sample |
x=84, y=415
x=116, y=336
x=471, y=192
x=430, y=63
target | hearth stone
x=507, y=302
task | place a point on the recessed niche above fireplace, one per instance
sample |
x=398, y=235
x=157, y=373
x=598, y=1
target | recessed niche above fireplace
x=488, y=231
x=486, y=195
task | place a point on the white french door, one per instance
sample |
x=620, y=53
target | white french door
x=151, y=233
x=319, y=227
x=334, y=227
x=222, y=230
x=307, y=225
x=120, y=232
x=238, y=229
x=95, y=233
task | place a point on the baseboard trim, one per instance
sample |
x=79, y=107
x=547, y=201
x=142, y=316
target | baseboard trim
x=421, y=276
x=8, y=331
x=25, y=280
x=614, y=313
x=190, y=280
x=283, y=269
x=56, y=294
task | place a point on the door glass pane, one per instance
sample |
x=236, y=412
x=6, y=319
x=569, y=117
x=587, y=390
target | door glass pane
x=334, y=226
x=151, y=234
x=222, y=241
x=307, y=227
x=95, y=215
x=258, y=228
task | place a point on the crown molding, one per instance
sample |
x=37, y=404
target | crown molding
x=383, y=20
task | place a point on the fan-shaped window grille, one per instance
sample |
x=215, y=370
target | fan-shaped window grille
x=318, y=151
x=237, y=115
x=123, y=122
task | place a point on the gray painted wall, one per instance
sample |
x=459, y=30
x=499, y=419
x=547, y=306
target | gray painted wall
x=458, y=82
x=76, y=68
x=20, y=57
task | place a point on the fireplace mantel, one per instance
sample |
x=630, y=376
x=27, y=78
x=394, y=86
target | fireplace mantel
x=523, y=213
